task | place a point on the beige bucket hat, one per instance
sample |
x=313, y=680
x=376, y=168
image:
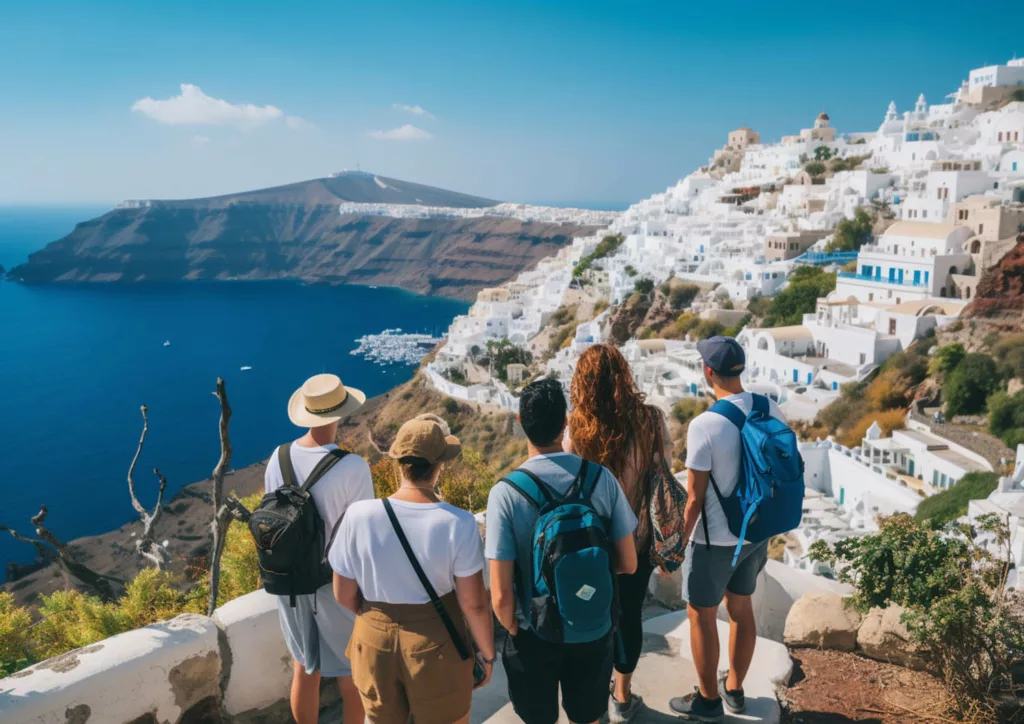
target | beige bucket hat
x=424, y=437
x=323, y=399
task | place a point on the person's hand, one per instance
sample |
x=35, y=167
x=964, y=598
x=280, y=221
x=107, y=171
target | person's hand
x=488, y=669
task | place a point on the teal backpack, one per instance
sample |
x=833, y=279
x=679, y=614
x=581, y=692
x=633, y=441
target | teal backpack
x=574, y=597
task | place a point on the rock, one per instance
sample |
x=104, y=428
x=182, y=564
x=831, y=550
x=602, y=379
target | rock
x=1014, y=386
x=822, y=620
x=884, y=636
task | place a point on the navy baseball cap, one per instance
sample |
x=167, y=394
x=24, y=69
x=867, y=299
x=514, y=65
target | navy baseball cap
x=724, y=355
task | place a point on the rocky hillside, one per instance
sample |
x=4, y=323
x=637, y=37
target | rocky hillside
x=1002, y=287
x=297, y=232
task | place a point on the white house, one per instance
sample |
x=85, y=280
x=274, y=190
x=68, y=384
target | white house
x=911, y=261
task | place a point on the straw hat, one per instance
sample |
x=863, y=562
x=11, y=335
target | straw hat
x=321, y=400
x=424, y=438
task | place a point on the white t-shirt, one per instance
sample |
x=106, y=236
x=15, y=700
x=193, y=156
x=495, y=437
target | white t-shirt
x=445, y=539
x=713, y=443
x=348, y=481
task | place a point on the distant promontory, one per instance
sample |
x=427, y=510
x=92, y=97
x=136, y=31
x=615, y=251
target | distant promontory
x=297, y=232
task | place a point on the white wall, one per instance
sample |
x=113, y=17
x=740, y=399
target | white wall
x=858, y=484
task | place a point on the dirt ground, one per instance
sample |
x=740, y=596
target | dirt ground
x=831, y=687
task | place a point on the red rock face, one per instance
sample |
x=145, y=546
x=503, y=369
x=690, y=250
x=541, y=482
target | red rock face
x=1002, y=286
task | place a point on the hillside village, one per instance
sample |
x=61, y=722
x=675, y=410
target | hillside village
x=896, y=226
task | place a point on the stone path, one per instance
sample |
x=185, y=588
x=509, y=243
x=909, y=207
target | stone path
x=665, y=670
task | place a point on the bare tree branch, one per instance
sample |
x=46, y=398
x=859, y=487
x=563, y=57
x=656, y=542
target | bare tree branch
x=41, y=550
x=224, y=510
x=146, y=546
x=65, y=556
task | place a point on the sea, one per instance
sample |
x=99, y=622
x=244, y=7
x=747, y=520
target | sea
x=77, y=362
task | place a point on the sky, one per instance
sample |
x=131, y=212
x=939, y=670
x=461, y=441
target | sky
x=596, y=103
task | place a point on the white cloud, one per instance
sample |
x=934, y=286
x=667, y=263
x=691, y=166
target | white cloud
x=298, y=124
x=408, y=132
x=200, y=140
x=415, y=110
x=193, y=107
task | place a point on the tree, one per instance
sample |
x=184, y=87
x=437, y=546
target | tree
x=48, y=543
x=800, y=296
x=644, y=286
x=1009, y=355
x=224, y=509
x=852, y=234
x=147, y=547
x=970, y=384
x=822, y=153
x=502, y=353
x=945, y=359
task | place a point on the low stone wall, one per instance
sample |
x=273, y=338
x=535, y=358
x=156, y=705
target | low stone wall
x=187, y=670
x=778, y=588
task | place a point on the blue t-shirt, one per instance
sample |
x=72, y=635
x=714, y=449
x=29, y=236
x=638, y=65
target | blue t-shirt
x=511, y=517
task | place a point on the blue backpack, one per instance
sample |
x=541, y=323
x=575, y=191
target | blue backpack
x=769, y=497
x=574, y=588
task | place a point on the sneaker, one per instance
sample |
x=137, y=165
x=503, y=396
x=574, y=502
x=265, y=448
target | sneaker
x=733, y=699
x=625, y=713
x=696, y=708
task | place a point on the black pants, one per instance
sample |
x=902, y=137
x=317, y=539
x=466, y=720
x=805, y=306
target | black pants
x=632, y=592
x=535, y=668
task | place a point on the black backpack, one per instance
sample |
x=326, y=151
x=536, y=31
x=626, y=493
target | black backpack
x=290, y=539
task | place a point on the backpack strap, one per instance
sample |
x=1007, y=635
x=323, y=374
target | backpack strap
x=284, y=459
x=586, y=490
x=328, y=461
x=761, y=405
x=529, y=486
x=729, y=411
x=460, y=645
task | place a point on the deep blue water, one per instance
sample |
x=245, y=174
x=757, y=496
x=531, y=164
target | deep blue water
x=76, y=362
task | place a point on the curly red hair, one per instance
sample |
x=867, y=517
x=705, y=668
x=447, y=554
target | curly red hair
x=610, y=421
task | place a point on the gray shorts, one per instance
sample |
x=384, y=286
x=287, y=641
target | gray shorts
x=708, y=572
x=317, y=639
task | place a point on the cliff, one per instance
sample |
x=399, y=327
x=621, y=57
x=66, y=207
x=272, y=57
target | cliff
x=297, y=232
x=1001, y=289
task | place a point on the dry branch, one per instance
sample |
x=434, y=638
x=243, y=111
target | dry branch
x=146, y=546
x=65, y=556
x=224, y=509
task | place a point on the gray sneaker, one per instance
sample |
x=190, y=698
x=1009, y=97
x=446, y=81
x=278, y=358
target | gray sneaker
x=734, y=700
x=625, y=713
x=696, y=708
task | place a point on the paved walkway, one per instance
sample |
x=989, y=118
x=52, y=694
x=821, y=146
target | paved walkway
x=666, y=670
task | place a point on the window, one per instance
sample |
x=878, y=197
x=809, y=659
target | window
x=1000, y=136
x=935, y=478
x=944, y=480
x=863, y=358
x=871, y=296
x=892, y=325
x=981, y=228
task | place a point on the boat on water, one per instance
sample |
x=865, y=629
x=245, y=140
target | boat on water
x=167, y=343
x=245, y=368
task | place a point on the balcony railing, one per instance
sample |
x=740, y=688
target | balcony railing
x=884, y=280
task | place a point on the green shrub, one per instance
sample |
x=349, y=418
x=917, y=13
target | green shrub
x=1008, y=353
x=502, y=353
x=969, y=385
x=815, y=168
x=852, y=234
x=681, y=296
x=1006, y=417
x=451, y=406
x=606, y=246
x=948, y=505
x=945, y=359
x=958, y=609
x=14, y=634
x=688, y=408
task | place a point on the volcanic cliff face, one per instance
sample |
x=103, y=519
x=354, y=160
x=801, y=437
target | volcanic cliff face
x=297, y=232
x=1002, y=286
